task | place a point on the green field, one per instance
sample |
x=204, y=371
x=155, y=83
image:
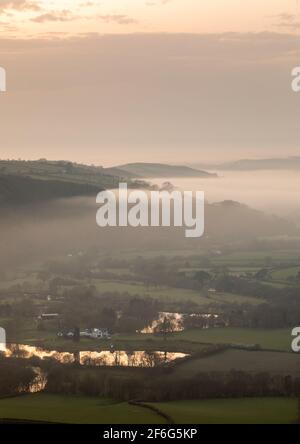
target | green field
x=190, y=340
x=166, y=294
x=185, y=341
x=269, y=339
x=232, y=411
x=242, y=360
x=75, y=410
x=285, y=273
x=171, y=295
x=257, y=258
x=85, y=410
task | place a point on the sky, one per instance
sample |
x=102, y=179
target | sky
x=35, y=17
x=115, y=81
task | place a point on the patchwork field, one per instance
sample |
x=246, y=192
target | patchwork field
x=279, y=339
x=257, y=258
x=85, y=410
x=247, y=361
x=286, y=273
x=172, y=295
x=268, y=339
x=75, y=410
x=232, y=411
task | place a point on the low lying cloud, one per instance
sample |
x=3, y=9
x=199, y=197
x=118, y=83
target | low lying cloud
x=121, y=19
x=18, y=5
x=287, y=21
x=157, y=2
x=67, y=16
x=61, y=16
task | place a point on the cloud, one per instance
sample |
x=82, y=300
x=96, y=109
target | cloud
x=157, y=2
x=287, y=21
x=18, y=5
x=61, y=16
x=67, y=15
x=121, y=19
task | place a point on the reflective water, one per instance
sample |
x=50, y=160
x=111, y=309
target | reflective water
x=39, y=382
x=176, y=322
x=95, y=358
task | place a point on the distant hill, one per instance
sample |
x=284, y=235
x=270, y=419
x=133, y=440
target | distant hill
x=288, y=163
x=115, y=171
x=232, y=220
x=158, y=170
x=62, y=171
x=33, y=181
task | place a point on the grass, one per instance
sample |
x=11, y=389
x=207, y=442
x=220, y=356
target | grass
x=232, y=411
x=30, y=281
x=257, y=258
x=128, y=343
x=186, y=341
x=269, y=339
x=171, y=295
x=87, y=410
x=165, y=294
x=285, y=273
x=75, y=410
x=242, y=360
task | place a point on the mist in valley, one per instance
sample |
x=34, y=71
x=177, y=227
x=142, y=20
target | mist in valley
x=274, y=192
x=268, y=207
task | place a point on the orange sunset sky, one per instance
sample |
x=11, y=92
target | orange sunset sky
x=35, y=17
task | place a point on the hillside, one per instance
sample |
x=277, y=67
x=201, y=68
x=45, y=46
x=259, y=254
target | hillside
x=232, y=221
x=24, y=190
x=158, y=170
x=62, y=171
x=34, y=181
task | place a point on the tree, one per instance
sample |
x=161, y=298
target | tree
x=166, y=326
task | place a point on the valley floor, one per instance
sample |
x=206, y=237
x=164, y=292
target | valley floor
x=85, y=410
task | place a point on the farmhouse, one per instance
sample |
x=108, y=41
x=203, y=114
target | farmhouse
x=95, y=333
x=48, y=316
x=91, y=333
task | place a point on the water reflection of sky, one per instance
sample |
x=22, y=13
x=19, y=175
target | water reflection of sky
x=176, y=321
x=101, y=358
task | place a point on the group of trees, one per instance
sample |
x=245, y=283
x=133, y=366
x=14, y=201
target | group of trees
x=15, y=377
x=81, y=306
x=156, y=385
x=280, y=309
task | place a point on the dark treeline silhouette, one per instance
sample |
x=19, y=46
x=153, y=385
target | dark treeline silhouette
x=15, y=377
x=159, y=387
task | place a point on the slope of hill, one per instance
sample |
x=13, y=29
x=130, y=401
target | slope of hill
x=115, y=171
x=158, y=170
x=232, y=220
x=60, y=170
x=33, y=181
